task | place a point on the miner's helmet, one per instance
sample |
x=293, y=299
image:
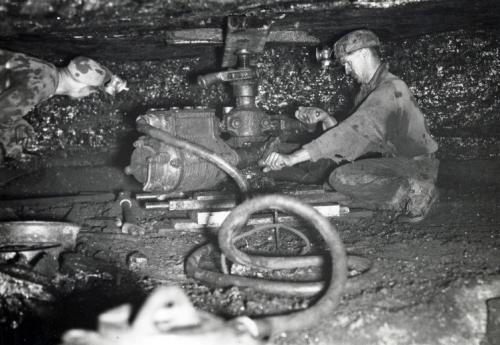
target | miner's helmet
x=89, y=72
x=355, y=40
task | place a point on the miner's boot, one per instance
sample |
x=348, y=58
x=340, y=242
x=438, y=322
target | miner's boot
x=422, y=196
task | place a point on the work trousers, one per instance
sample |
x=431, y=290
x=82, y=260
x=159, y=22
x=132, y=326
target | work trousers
x=395, y=184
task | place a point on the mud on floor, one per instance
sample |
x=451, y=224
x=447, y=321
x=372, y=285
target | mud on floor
x=428, y=280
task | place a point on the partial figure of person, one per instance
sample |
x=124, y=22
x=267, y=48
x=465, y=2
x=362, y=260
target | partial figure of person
x=27, y=81
x=386, y=120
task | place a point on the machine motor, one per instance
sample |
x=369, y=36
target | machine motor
x=164, y=168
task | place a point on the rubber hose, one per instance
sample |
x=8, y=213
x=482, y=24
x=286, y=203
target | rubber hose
x=354, y=262
x=283, y=288
x=358, y=263
x=198, y=150
x=239, y=217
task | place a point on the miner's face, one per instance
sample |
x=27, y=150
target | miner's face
x=354, y=65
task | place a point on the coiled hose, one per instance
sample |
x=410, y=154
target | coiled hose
x=239, y=217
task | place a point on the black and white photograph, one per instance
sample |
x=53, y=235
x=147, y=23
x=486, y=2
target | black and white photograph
x=249, y=172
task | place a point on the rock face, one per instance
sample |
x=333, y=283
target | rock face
x=455, y=78
x=447, y=51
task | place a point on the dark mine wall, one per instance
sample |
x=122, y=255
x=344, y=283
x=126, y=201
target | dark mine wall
x=454, y=76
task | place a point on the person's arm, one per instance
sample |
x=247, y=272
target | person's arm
x=297, y=157
x=328, y=122
x=277, y=161
x=363, y=131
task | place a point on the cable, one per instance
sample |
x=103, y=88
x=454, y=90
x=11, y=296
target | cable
x=239, y=217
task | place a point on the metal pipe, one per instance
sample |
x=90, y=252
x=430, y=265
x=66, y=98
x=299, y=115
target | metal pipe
x=239, y=217
x=200, y=151
x=159, y=196
x=157, y=205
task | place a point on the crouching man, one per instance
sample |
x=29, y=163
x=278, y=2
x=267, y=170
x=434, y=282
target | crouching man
x=385, y=119
x=26, y=81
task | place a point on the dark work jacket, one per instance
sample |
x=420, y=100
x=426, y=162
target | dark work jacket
x=386, y=119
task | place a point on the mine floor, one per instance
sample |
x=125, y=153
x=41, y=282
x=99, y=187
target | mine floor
x=429, y=284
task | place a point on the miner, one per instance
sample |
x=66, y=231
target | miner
x=385, y=120
x=26, y=81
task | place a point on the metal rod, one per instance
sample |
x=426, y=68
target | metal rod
x=159, y=196
x=157, y=205
x=67, y=199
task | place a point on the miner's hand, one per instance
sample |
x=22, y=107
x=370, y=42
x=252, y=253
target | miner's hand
x=276, y=161
x=311, y=115
x=115, y=85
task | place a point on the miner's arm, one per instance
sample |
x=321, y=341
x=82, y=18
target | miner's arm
x=362, y=132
